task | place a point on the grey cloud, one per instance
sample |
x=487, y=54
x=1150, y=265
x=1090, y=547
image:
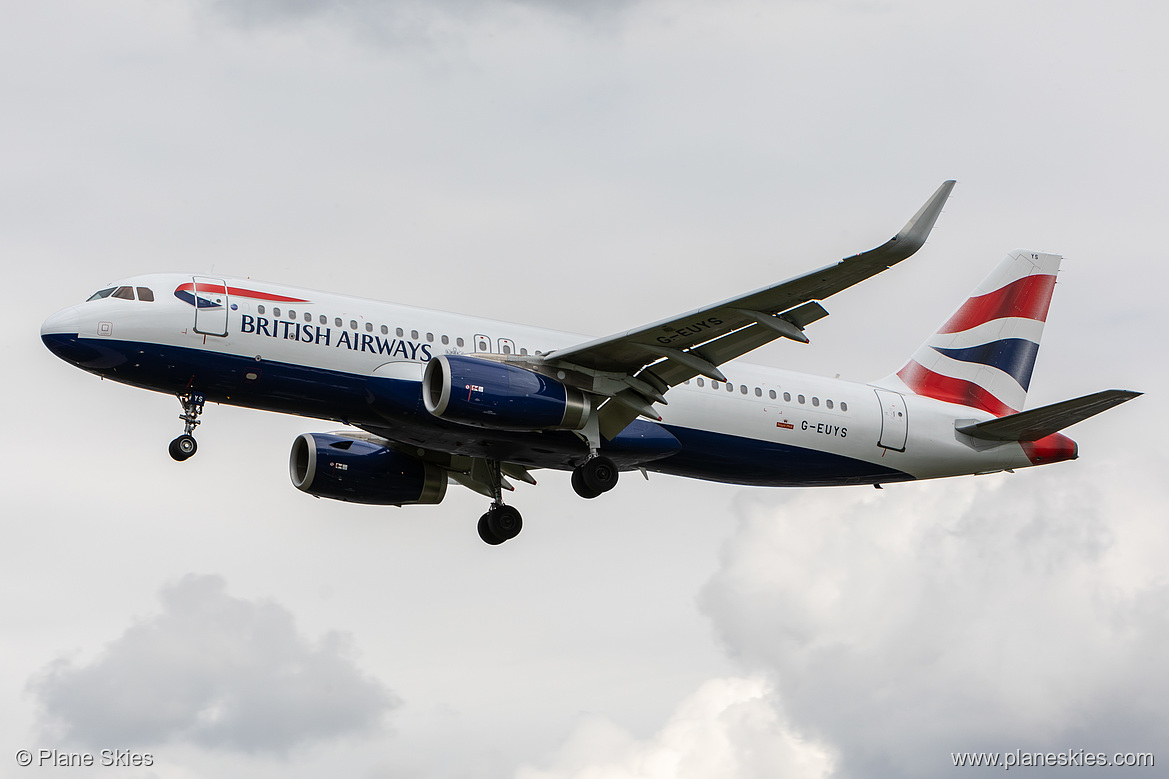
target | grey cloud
x=973, y=615
x=217, y=671
x=728, y=728
x=398, y=19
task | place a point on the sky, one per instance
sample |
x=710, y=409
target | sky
x=589, y=167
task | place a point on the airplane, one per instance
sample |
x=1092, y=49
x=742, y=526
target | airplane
x=433, y=398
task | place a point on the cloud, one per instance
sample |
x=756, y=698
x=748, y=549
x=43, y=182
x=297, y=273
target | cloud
x=395, y=21
x=728, y=728
x=217, y=671
x=1014, y=612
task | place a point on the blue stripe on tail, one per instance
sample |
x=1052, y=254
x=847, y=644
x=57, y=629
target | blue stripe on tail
x=1013, y=356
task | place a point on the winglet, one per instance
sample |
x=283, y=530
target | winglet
x=912, y=236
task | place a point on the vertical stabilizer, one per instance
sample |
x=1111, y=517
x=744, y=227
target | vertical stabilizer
x=983, y=356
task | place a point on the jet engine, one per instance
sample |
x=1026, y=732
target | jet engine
x=359, y=471
x=501, y=396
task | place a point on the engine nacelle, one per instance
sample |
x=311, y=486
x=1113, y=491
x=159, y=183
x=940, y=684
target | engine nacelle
x=497, y=395
x=340, y=468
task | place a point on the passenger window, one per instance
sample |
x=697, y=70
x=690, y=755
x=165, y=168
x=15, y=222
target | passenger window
x=308, y=317
x=413, y=335
x=124, y=293
x=525, y=352
x=701, y=383
x=787, y=397
x=843, y=406
x=324, y=320
x=800, y=398
x=430, y=337
x=828, y=403
x=730, y=387
x=743, y=388
x=146, y=294
x=399, y=332
x=105, y=293
x=259, y=309
x=337, y=322
x=385, y=330
x=713, y=384
x=369, y=327
x=352, y=324
x=758, y=392
x=815, y=401
x=275, y=312
x=445, y=340
x=771, y=394
x=459, y=342
x=292, y=315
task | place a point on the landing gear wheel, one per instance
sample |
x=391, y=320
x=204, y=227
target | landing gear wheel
x=581, y=488
x=485, y=531
x=183, y=447
x=500, y=523
x=504, y=522
x=598, y=474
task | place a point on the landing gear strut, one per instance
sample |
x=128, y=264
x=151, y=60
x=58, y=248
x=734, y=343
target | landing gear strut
x=184, y=446
x=500, y=523
x=597, y=474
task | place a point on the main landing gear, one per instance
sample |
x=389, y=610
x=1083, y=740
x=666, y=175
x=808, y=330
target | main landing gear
x=597, y=475
x=184, y=446
x=500, y=523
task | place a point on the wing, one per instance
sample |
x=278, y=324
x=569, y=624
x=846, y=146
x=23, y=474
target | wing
x=635, y=368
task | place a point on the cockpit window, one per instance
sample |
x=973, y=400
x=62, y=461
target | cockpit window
x=125, y=293
x=105, y=293
x=146, y=294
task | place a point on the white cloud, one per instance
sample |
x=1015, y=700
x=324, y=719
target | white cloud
x=1013, y=612
x=216, y=671
x=728, y=728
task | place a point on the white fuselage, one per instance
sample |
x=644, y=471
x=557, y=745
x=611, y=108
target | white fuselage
x=281, y=330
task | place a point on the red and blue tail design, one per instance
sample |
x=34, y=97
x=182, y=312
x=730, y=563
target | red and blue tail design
x=983, y=356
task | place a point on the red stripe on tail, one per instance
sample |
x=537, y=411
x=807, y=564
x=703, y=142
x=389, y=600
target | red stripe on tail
x=925, y=382
x=1027, y=298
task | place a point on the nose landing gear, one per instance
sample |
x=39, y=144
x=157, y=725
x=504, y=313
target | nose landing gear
x=185, y=445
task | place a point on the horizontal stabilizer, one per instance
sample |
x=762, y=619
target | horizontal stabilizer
x=1041, y=422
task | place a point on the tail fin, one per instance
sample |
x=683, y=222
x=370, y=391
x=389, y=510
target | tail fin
x=982, y=357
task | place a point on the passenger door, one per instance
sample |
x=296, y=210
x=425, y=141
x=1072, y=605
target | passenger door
x=211, y=305
x=894, y=420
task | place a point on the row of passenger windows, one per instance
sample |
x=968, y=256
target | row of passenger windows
x=145, y=294
x=505, y=345
x=787, y=396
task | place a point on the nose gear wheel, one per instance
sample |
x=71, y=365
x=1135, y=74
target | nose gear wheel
x=185, y=445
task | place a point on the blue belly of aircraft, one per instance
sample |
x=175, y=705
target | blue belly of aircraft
x=393, y=408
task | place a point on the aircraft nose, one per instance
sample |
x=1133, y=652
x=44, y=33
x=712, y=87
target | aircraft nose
x=64, y=322
x=59, y=334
